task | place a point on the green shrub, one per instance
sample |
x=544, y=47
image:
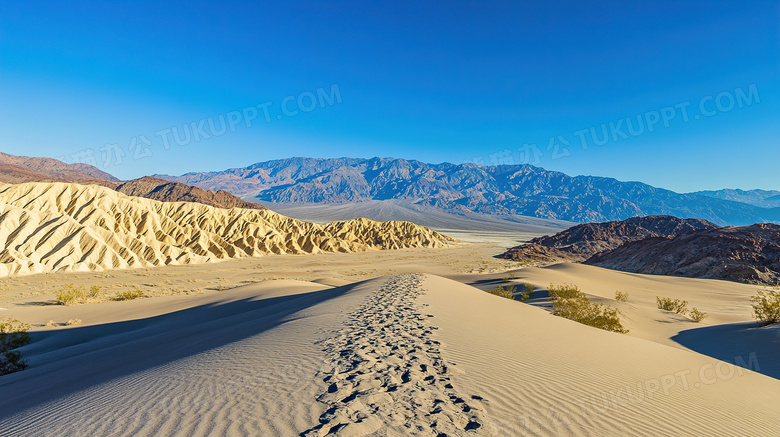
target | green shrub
x=529, y=288
x=128, y=295
x=565, y=291
x=766, y=306
x=524, y=296
x=13, y=334
x=569, y=302
x=507, y=292
x=697, y=316
x=668, y=304
x=70, y=294
x=621, y=297
x=94, y=292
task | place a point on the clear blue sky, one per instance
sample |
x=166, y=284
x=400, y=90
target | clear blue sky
x=434, y=81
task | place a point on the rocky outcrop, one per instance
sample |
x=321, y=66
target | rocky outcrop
x=743, y=254
x=164, y=191
x=580, y=242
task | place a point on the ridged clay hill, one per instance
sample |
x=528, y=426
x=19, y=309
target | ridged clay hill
x=70, y=227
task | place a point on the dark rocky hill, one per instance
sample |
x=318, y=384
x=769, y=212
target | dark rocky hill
x=580, y=242
x=744, y=254
x=164, y=191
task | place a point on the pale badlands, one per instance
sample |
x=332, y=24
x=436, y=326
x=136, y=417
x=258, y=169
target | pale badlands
x=364, y=342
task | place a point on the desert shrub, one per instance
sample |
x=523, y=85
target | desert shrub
x=94, y=292
x=668, y=304
x=569, y=302
x=13, y=334
x=512, y=275
x=128, y=295
x=524, y=296
x=621, y=297
x=565, y=291
x=766, y=306
x=507, y=292
x=529, y=288
x=70, y=294
x=696, y=315
x=506, y=279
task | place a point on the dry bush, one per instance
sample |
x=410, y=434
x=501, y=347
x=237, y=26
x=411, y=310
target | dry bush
x=13, y=335
x=524, y=296
x=529, y=288
x=766, y=305
x=507, y=292
x=621, y=297
x=697, y=316
x=668, y=304
x=128, y=295
x=569, y=302
x=70, y=294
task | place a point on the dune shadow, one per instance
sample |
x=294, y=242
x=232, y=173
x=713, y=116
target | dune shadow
x=748, y=345
x=63, y=362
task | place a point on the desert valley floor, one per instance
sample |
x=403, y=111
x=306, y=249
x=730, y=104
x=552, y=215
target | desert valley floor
x=385, y=343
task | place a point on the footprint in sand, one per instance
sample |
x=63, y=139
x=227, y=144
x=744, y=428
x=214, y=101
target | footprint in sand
x=388, y=375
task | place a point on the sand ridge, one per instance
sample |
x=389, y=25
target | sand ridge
x=69, y=227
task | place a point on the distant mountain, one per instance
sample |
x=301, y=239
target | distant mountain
x=20, y=169
x=744, y=254
x=580, y=242
x=164, y=191
x=520, y=189
x=23, y=169
x=762, y=198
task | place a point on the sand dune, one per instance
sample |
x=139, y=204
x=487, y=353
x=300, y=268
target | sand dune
x=400, y=355
x=70, y=227
x=544, y=375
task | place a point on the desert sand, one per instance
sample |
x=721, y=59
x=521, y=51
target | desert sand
x=398, y=342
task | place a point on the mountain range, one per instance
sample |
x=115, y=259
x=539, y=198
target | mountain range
x=19, y=169
x=496, y=190
x=762, y=198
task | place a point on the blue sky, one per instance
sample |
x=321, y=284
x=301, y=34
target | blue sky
x=489, y=82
